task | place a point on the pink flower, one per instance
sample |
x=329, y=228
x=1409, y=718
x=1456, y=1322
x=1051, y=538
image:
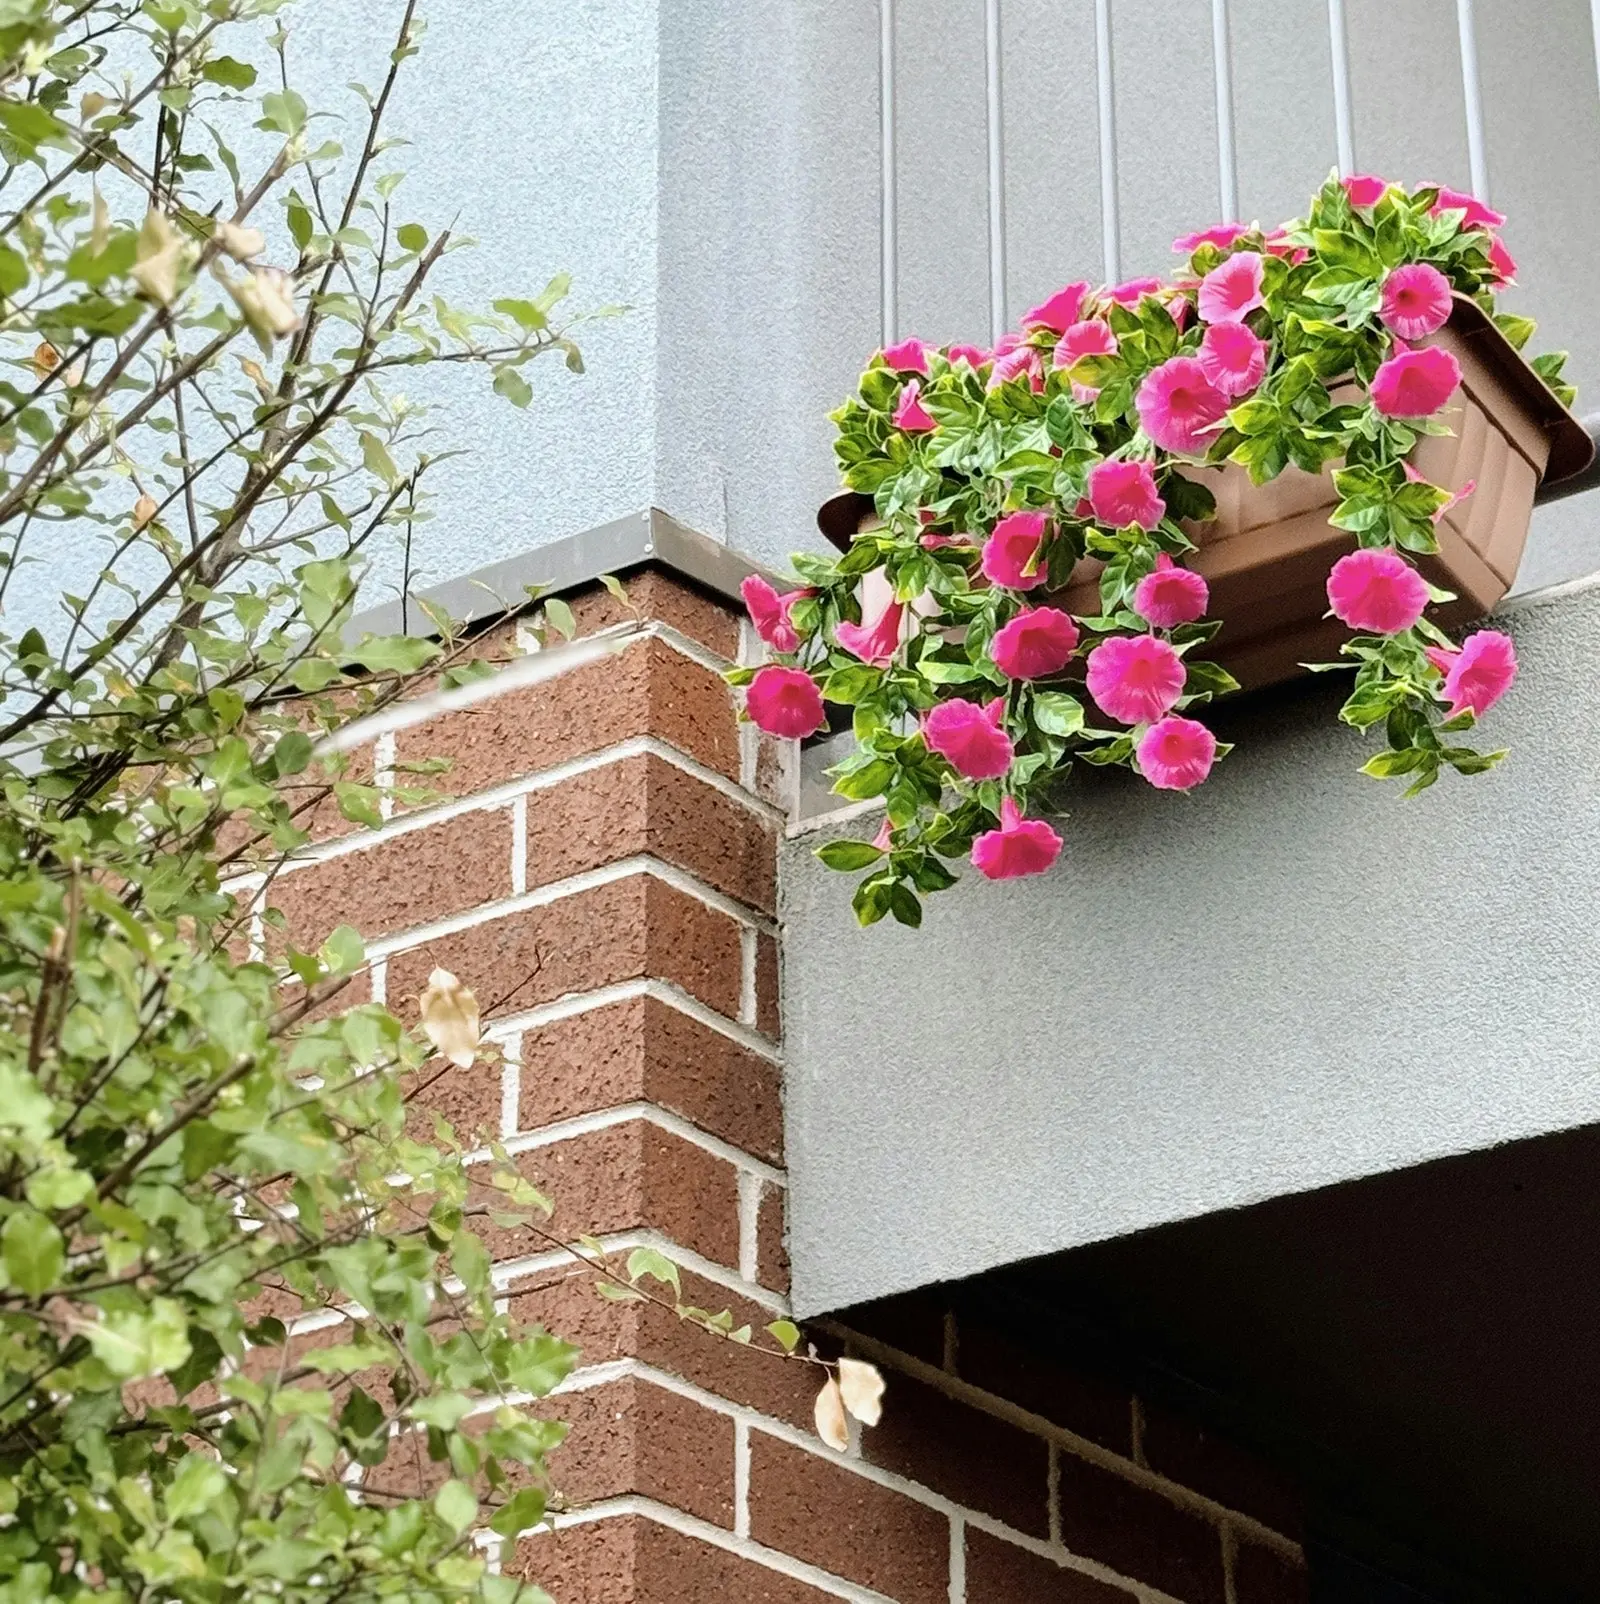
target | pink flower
x=909, y=412
x=1060, y=312
x=1376, y=591
x=974, y=356
x=1171, y=595
x=969, y=738
x=1012, y=545
x=1230, y=290
x=1503, y=263
x=785, y=701
x=1222, y=236
x=1233, y=358
x=1037, y=642
x=873, y=641
x=1415, y=384
x=1135, y=678
x=1178, y=404
x=1092, y=337
x=909, y=356
x=1277, y=243
x=1176, y=754
x=1478, y=215
x=936, y=542
x=1416, y=301
x=1124, y=493
x=1178, y=308
x=1132, y=291
x=769, y=612
x=1019, y=847
x=884, y=839
x=1363, y=189
x=1478, y=675
x=1019, y=361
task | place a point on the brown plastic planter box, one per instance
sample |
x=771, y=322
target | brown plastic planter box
x=1268, y=551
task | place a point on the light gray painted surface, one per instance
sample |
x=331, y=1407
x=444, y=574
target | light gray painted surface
x=1289, y=978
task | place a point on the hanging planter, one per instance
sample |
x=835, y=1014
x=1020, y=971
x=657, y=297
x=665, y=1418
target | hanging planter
x=1320, y=443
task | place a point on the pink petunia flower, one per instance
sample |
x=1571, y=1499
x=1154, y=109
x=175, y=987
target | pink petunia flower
x=1178, y=404
x=1377, y=591
x=1363, y=189
x=884, y=839
x=1232, y=357
x=1019, y=847
x=969, y=738
x=1060, y=312
x=1230, y=290
x=1171, y=595
x=1132, y=291
x=937, y=542
x=1176, y=754
x=1012, y=546
x=874, y=640
x=786, y=702
x=1416, y=301
x=1037, y=642
x=1277, y=243
x=769, y=612
x=973, y=355
x=1021, y=361
x=1503, y=263
x=1222, y=235
x=1478, y=675
x=1178, y=306
x=909, y=412
x=1091, y=337
x=1478, y=215
x=1135, y=678
x=909, y=356
x=1124, y=493
x=1415, y=384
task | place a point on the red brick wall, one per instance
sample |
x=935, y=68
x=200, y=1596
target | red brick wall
x=605, y=884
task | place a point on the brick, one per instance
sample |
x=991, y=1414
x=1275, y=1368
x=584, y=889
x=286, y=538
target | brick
x=774, y=761
x=1001, y=1573
x=1263, y=1576
x=565, y=1301
x=633, y=1560
x=1079, y=1401
x=400, y=881
x=821, y=1511
x=632, y=928
x=772, y=1249
x=645, y=1050
x=629, y=1436
x=1138, y=1533
x=630, y=1176
x=467, y=1099
x=1195, y=1457
x=655, y=595
x=978, y=1461
x=768, y=1018
x=645, y=804
x=646, y=688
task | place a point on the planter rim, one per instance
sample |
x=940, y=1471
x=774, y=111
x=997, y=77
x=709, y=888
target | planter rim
x=1571, y=448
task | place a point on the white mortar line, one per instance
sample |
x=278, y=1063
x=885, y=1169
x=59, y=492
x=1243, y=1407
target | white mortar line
x=741, y=1478
x=1110, y=224
x=1082, y=1447
x=583, y=1002
x=383, y=773
x=688, y=646
x=994, y=107
x=378, y=980
x=572, y=886
x=519, y=845
x=1343, y=102
x=747, y=975
x=606, y=1119
x=958, y=1560
x=889, y=222
x=509, y=1271
x=1222, y=68
x=749, y=1224
x=718, y=1537
x=1472, y=101
x=510, y=1082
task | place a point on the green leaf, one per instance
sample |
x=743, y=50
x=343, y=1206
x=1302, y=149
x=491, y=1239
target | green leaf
x=524, y=313
x=34, y=1251
x=300, y=222
x=1057, y=714
x=13, y=271
x=785, y=1333
x=229, y=73
x=648, y=1262
x=849, y=855
x=412, y=236
x=509, y=382
x=375, y=455
x=198, y=1485
x=521, y=1512
x=455, y=1505
x=561, y=619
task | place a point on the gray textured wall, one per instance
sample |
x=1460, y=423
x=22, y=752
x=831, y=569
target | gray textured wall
x=1289, y=978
